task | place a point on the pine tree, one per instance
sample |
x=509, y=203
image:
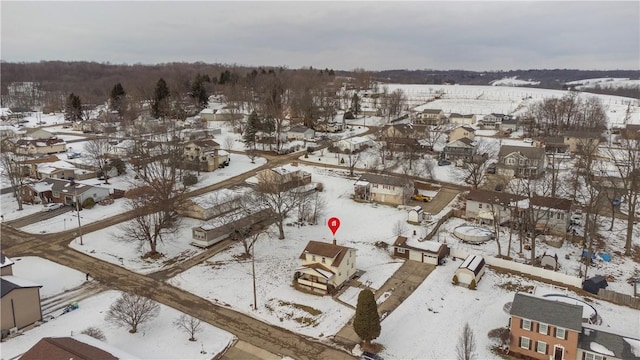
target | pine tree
x=117, y=98
x=199, y=92
x=73, y=108
x=367, y=320
x=355, y=104
x=159, y=107
x=249, y=135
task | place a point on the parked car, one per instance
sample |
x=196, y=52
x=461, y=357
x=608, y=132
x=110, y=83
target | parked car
x=499, y=187
x=616, y=202
x=51, y=206
x=420, y=197
x=370, y=356
x=444, y=162
x=527, y=140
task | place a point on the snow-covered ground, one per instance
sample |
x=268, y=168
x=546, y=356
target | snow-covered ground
x=158, y=339
x=605, y=83
x=513, y=81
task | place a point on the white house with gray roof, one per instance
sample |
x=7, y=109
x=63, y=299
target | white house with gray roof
x=384, y=189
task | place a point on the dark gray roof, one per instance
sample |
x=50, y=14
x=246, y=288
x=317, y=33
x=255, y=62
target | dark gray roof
x=530, y=152
x=552, y=312
x=612, y=342
x=384, y=179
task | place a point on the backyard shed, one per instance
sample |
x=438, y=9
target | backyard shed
x=471, y=268
x=416, y=215
x=594, y=284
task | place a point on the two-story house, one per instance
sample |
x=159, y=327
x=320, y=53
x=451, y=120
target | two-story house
x=462, y=132
x=543, y=329
x=325, y=267
x=486, y=206
x=552, y=215
x=521, y=161
x=431, y=117
x=460, y=119
x=582, y=141
x=383, y=189
x=30, y=146
x=492, y=121
x=459, y=149
x=20, y=300
x=283, y=177
x=204, y=155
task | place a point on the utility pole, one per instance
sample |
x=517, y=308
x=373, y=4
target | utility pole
x=253, y=270
x=78, y=214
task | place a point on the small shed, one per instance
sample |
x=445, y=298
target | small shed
x=471, y=268
x=416, y=215
x=594, y=284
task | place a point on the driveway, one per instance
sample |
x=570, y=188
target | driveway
x=441, y=200
x=39, y=216
x=398, y=288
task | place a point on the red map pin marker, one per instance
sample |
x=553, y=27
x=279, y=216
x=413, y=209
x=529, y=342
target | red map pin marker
x=334, y=224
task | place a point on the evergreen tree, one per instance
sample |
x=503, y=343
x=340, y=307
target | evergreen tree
x=159, y=107
x=117, y=98
x=355, y=104
x=199, y=92
x=249, y=135
x=367, y=321
x=73, y=108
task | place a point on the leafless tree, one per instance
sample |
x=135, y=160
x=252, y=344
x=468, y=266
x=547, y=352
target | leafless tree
x=252, y=154
x=353, y=159
x=280, y=200
x=98, y=148
x=12, y=168
x=189, y=325
x=132, y=310
x=228, y=143
x=475, y=167
x=466, y=347
x=399, y=228
x=430, y=137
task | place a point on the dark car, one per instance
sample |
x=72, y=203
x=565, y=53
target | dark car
x=370, y=356
x=444, y=162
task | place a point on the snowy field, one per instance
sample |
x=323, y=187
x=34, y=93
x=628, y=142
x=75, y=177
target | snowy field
x=431, y=319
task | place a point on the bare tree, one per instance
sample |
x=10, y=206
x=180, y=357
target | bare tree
x=228, y=143
x=399, y=228
x=466, y=347
x=12, y=168
x=279, y=199
x=189, y=325
x=475, y=166
x=97, y=148
x=95, y=333
x=132, y=310
x=353, y=158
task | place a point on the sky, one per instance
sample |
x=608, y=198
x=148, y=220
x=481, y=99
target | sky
x=476, y=35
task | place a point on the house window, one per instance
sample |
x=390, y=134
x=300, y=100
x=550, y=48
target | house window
x=560, y=216
x=323, y=260
x=479, y=206
x=400, y=250
x=561, y=333
x=526, y=324
x=525, y=342
x=511, y=161
x=592, y=356
x=313, y=258
x=541, y=347
x=543, y=328
x=522, y=162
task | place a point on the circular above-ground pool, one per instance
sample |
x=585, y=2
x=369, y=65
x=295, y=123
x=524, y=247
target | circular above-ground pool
x=473, y=234
x=589, y=313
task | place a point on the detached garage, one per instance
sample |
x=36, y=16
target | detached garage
x=428, y=252
x=472, y=268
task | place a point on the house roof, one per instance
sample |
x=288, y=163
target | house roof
x=327, y=250
x=431, y=111
x=554, y=140
x=552, y=312
x=462, y=142
x=383, y=179
x=582, y=134
x=493, y=197
x=551, y=202
x=67, y=187
x=456, y=115
x=594, y=339
x=10, y=283
x=530, y=152
x=475, y=263
x=299, y=129
x=428, y=246
x=5, y=261
x=80, y=347
x=205, y=143
x=467, y=128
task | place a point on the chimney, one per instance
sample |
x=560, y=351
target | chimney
x=334, y=241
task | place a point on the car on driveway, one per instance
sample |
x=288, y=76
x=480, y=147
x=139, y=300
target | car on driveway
x=51, y=207
x=444, y=162
x=370, y=356
x=420, y=197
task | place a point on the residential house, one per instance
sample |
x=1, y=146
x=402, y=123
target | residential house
x=9, y=131
x=430, y=252
x=630, y=132
x=492, y=121
x=77, y=347
x=554, y=145
x=462, y=132
x=223, y=114
x=204, y=155
x=38, y=133
x=487, y=206
x=62, y=191
x=460, y=119
x=543, y=328
x=553, y=215
x=325, y=267
x=20, y=300
x=597, y=343
x=409, y=145
x=383, y=189
x=471, y=270
x=210, y=205
x=300, y=133
x=238, y=222
x=284, y=177
x=508, y=123
x=353, y=144
x=521, y=161
x=582, y=141
x=30, y=146
x=460, y=149
x=415, y=131
x=431, y=117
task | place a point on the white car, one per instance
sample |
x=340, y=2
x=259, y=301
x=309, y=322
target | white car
x=51, y=206
x=527, y=140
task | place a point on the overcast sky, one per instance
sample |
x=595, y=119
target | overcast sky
x=372, y=35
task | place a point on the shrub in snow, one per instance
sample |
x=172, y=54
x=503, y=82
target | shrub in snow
x=455, y=280
x=472, y=285
x=95, y=333
x=88, y=203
